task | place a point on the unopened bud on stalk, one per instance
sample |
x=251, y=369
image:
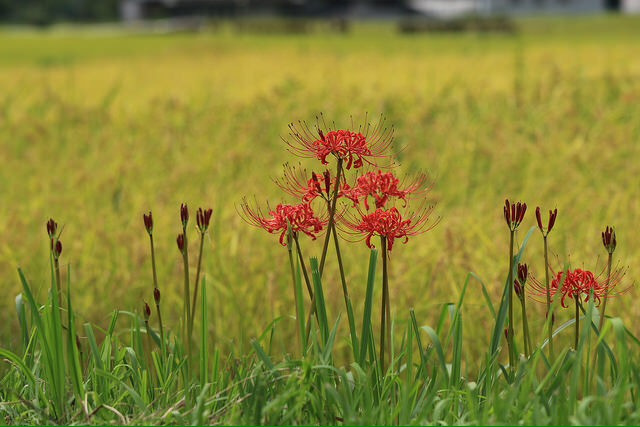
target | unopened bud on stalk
x=203, y=218
x=148, y=222
x=514, y=214
x=57, y=248
x=518, y=288
x=184, y=214
x=156, y=295
x=553, y=214
x=52, y=227
x=147, y=312
x=523, y=273
x=609, y=239
x=180, y=242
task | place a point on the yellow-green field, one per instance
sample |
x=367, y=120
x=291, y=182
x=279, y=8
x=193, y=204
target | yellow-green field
x=97, y=128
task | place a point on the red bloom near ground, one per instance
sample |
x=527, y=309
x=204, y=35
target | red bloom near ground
x=579, y=283
x=368, y=144
x=301, y=218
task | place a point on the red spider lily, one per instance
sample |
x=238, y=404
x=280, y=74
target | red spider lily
x=580, y=284
x=553, y=214
x=203, y=218
x=300, y=217
x=514, y=214
x=382, y=186
x=390, y=224
x=297, y=183
x=368, y=144
x=609, y=239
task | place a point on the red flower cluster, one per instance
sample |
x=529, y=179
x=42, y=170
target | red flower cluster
x=296, y=182
x=354, y=148
x=389, y=224
x=300, y=217
x=579, y=283
x=381, y=186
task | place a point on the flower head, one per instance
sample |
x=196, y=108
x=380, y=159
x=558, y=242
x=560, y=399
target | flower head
x=180, y=242
x=580, y=284
x=368, y=144
x=56, y=248
x=382, y=186
x=553, y=214
x=156, y=295
x=390, y=224
x=300, y=218
x=203, y=218
x=514, y=214
x=609, y=239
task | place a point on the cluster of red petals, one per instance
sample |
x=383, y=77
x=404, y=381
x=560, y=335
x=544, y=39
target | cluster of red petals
x=354, y=147
x=300, y=217
x=389, y=224
x=514, y=214
x=381, y=186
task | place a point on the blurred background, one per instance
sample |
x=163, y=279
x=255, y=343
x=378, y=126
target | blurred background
x=112, y=108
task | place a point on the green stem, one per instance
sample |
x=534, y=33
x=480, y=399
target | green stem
x=56, y=267
x=577, y=337
x=295, y=294
x=155, y=286
x=528, y=348
x=606, y=292
x=345, y=292
x=332, y=211
x=385, y=318
x=196, y=284
x=548, y=289
x=510, y=332
x=187, y=293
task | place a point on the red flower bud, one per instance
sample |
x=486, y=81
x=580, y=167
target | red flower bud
x=156, y=295
x=148, y=222
x=327, y=182
x=180, y=242
x=52, y=228
x=518, y=288
x=203, y=218
x=552, y=220
x=539, y=219
x=321, y=134
x=514, y=214
x=609, y=240
x=184, y=214
x=147, y=312
x=57, y=249
x=523, y=273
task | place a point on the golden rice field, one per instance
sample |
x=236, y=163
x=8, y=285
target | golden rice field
x=98, y=127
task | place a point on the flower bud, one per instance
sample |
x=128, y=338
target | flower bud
x=146, y=312
x=52, y=228
x=518, y=288
x=184, y=214
x=609, y=240
x=539, y=219
x=156, y=295
x=321, y=134
x=327, y=182
x=523, y=272
x=552, y=220
x=203, y=218
x=148, y=222
x=57, y=249
x=180, y=242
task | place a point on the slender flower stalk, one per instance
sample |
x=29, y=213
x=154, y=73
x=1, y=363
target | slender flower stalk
x=609, y=242
x=385, y=312
x=203, y=218
x=148, y=224
x=513, y=215
x=333, y=202
x=293, y=277
x=545, y=234
x=519, y=287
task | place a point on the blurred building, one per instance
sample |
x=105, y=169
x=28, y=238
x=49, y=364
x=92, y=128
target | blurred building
x=133, y=10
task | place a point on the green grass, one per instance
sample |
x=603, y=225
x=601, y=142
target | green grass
x=98, y=128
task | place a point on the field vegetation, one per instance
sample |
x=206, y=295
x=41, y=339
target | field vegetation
x=99, y=127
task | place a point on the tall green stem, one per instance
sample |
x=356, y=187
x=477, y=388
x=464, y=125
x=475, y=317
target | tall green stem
x=332, y=212
x=528, y=348
x=195, y=286
x=187, y=293
x=510, y=332
x=385, y=311
x=548, y=289
x=345, y=292
x=155, y=286
x=606, y=292
x=577, y=337
x=295, y=293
